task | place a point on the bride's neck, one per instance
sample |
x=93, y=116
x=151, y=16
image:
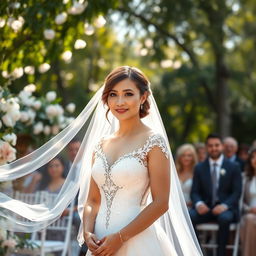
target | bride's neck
x=129, y=127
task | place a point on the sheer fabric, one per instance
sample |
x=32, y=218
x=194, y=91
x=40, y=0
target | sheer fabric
x=176, y=222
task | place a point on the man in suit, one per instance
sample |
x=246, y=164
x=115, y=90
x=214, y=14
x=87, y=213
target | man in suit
x=216, y=190
x=230, y=151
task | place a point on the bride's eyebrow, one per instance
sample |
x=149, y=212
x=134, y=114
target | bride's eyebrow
x=125, y=90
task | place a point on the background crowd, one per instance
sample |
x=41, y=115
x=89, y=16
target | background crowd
x=218, y=199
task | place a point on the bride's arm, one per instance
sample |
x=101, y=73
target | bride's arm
x=91, y=209
x=159, y=174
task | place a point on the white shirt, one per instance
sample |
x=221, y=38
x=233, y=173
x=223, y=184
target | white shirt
x=218, y=163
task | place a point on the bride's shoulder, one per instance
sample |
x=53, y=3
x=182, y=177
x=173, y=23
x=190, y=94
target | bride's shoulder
x=156, y=139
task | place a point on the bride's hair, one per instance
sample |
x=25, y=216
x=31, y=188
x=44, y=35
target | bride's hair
x=134, y=74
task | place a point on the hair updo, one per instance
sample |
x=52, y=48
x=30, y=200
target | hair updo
x=125, y=72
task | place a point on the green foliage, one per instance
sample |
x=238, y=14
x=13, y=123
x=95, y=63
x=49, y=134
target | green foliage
x=215, y=40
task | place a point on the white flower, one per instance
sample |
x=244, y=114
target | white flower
x=10, y=21
x=44, y=67
x=8, y=120
x=30, y=70
x=49, y=34
x=7, y=152
x=24, y=116
x=11, y=107
x=24, y=95
x=88, y=29
x=80, y=44
x=222, y=171
x=16, y=25
x=5, y=74
x=71, y=107
x=66, y=56
x=61, y=18
x=10, y=243
x=32, y=114
x=55, y=129
x=77, y=8
x=62, y=122
x=54, y=110
x=11, y=138
x=37, y=104
x=51, y=111
x=51, y=96
x=59, y=109
x=16, y=5
x=30, y=88
x=100, y=22
x=3, y=234
x=47, y=130
x=17, y=73
x=2, y=22
x=26, y=98
x=38, y=128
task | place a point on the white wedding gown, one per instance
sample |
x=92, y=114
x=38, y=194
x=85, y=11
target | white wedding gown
x=124, y=188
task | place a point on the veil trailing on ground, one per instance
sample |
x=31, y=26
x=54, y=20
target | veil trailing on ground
x=175, y=222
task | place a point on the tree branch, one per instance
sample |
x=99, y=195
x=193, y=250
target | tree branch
x=181, y=45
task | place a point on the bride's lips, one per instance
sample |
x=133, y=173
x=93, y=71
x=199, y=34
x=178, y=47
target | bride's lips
x=121, y=110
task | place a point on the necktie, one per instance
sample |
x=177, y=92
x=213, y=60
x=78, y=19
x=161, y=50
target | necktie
x=214, y=184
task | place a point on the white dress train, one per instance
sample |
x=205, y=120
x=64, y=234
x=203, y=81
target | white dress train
x=124, y=186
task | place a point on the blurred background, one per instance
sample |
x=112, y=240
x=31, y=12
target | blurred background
x=199, y=56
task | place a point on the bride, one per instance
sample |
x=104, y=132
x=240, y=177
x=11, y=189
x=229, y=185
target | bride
x=130, y=201
x=124, y=165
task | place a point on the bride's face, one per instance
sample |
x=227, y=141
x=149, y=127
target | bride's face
x=124, y=100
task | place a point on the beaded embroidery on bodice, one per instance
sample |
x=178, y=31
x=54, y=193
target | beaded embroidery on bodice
x=110, y=187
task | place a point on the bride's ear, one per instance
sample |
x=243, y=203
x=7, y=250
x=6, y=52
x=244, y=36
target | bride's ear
x=144, y=97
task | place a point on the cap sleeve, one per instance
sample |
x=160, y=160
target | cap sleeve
x=157, y=140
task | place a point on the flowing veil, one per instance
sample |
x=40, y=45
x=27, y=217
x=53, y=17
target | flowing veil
x=176, y=222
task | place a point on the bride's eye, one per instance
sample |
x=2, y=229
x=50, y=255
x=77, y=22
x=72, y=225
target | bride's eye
x=112, y=94
x=129, y=94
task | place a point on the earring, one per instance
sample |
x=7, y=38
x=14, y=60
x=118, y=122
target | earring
x=141, y=107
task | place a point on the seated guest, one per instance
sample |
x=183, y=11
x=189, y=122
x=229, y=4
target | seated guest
x=243, y=152
x=201, y=151
x=186, y=160
x=53, y=177
x=216, y=190
x=52, y=181
x=248, y=227
x=230, y=150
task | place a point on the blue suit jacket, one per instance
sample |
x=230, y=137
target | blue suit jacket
x=229, y=189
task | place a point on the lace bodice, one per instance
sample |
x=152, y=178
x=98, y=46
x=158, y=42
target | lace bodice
x=124, y=184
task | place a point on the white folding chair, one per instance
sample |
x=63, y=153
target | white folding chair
x=213, y=228
x=63, y=224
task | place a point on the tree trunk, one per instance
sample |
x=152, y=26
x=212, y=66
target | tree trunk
x=222, y=97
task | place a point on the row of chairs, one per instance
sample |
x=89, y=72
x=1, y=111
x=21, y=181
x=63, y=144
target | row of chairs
x=42, y=246
x=210, y=229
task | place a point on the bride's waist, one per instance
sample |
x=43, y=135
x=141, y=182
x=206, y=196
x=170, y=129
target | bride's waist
x=121, y=209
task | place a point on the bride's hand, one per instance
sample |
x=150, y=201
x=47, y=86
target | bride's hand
x=92, y=241
x=109, y=245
